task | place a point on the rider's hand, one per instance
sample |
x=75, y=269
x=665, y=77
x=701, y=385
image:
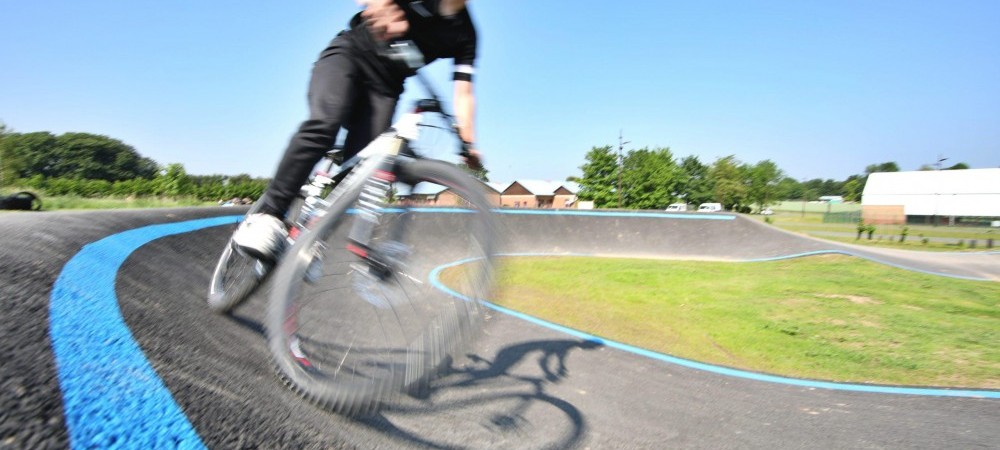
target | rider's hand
x=474, y=159
x=385, y=19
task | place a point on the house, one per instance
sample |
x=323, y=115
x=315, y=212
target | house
x=431, y=194
x=517, y=194
x=539, y=194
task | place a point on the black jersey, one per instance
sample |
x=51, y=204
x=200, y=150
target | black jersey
x=436, y=35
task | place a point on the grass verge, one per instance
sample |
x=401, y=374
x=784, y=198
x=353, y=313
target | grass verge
x=918, y=237
x=828, y=317
x=64, y=202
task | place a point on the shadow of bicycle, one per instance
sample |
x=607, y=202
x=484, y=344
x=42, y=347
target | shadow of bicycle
x=503, y=402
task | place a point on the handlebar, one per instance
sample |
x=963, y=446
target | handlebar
x=408, y=53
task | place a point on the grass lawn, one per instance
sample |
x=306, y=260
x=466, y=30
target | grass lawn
x=828, y=317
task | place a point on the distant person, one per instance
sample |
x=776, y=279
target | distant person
x=354, y=85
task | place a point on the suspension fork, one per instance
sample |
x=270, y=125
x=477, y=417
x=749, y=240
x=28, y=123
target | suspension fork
x=371, y=210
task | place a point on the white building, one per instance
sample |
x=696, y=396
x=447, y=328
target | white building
x=927, y=196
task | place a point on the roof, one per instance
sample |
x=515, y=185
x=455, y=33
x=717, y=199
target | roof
x=535, y=187
x=935, y=182
x=545, y=187
x=498, y=187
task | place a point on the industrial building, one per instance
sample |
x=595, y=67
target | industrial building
x=941, y=197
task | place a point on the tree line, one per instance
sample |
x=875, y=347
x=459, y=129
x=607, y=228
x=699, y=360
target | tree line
x=654, y=178
x=90, y=165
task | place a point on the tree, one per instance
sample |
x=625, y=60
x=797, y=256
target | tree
x=174, y=181
x=76, y=155
x=853, y=188
x=600, y=177
x=650, y=178
x=10, y=163
x=481, y=174
x=763, y=187
x=959, y=166
x=890, y=166
x=728, y=180
x=695, y=185
x=96, y=157
x=30, y=151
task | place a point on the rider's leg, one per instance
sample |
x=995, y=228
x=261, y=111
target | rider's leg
x=368, y=119
x=333, y=94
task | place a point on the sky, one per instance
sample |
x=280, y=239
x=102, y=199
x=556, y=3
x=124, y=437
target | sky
x=822, y=89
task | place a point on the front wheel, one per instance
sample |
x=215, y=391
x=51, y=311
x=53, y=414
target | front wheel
x=351, y=332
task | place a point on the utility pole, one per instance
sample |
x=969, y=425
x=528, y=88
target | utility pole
x=621, y=165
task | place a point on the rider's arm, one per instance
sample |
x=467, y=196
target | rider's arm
x=465, y=110
x=465, y=115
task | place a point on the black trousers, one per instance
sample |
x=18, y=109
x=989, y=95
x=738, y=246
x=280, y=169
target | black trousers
x=340, y=95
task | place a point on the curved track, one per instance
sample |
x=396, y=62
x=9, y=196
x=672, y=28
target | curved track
x=522, y=386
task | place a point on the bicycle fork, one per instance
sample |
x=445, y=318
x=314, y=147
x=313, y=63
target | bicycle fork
x=369, y=214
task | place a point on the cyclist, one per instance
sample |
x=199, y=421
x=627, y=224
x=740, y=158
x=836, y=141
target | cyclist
x=354, y=85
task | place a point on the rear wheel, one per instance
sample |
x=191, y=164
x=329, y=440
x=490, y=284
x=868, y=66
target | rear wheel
x=351, y=334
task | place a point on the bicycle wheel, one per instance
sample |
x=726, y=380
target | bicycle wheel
x=352, y=338
x=235, y=277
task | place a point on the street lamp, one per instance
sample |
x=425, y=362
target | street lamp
x=621, y=166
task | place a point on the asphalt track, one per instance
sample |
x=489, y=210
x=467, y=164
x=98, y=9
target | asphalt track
x=106, y=342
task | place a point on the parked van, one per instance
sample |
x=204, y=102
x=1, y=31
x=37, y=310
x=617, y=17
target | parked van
x=677, y=207
x=710, y=207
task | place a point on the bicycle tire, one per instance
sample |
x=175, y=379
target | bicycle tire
x=237, y=276
x=352, y=342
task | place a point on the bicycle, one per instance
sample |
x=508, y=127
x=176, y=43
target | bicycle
x=355, y=316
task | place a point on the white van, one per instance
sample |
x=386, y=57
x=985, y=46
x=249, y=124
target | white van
x=710, y=207
x=677, y=207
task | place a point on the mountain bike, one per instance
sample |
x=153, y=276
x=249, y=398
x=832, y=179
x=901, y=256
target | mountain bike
x=379, y=289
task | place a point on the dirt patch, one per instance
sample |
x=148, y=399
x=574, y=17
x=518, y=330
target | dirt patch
x=856, y=299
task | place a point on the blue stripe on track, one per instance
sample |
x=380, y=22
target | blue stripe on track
x=577, y=212
x=112, y=396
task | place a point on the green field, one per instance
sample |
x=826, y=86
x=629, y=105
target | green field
x=834, y=318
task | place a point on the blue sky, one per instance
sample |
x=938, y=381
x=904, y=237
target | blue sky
x=820, y=88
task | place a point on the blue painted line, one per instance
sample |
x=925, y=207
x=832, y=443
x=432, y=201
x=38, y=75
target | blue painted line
x=434, y=278
x=566, y=212
x=112, y=396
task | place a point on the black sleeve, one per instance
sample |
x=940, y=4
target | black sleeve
x=465, y=58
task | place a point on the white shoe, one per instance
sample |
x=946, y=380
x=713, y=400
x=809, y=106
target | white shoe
x=261, y=236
